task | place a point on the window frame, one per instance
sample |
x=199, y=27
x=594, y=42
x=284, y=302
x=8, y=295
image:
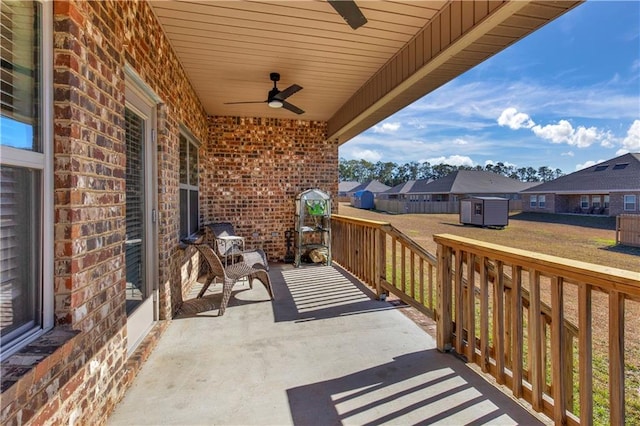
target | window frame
x=542, y=201
x=625, y=202
x=606, y=201
x=189, y=187
x=584, y=201
x=533, y=201
x=596, y=201
x=43, y=162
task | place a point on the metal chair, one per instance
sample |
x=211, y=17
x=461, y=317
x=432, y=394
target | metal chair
x=229, y=275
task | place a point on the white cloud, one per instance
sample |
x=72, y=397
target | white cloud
x=587, y=164
x=556, y=133
x=515, y=120
x=563, y=132
x=459, y=141
x=452, y=160
x=367, y=154
x=568, y=154
x=632, y=141
x=386, y=127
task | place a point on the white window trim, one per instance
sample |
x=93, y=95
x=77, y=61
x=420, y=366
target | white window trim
x=542, y=201
x=533, y=201
x=192, y=142
x=44, y=162
x=582, y=198
x=624, y=202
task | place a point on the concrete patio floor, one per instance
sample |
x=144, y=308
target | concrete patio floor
x=322, y=353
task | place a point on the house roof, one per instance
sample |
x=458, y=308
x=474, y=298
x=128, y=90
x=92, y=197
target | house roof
x=347, y=186
x=474, y=182
x=372, y=185
x=409, y=187
x=352, y=78
x=617, y=174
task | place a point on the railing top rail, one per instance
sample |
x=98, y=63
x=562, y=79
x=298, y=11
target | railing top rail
x=604, y=276
x=366, y=222
x=407, y=241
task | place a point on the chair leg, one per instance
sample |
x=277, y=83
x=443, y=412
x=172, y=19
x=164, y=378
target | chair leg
x=205, y=287
x=263, y=277
x=226, y=295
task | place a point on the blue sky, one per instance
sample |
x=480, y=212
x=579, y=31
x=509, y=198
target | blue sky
x=566, y=96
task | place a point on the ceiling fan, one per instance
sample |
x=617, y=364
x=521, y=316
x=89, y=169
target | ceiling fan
x=350, y=11
x=275, y=97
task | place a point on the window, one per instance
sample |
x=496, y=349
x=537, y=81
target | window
x=542, y=201
x=533, y=201
x=620, y=166
x=26, y=179
x=606, y=201
x=188, y=187
x=584, y=202
x=595, y=201
x=600, y=168
x=477, y=209
x=629, y=203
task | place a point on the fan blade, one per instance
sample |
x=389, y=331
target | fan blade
x=288, y=92
x=292, y=108
x=350, y=11
x=247, y=102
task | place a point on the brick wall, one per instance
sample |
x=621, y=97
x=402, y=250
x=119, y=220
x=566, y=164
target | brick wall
x=78, y=378
x=251, y=169
x=616, y=206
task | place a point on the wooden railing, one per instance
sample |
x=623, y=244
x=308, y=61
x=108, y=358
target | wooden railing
x=387, y=260
x=491, y=309
x=530, y=319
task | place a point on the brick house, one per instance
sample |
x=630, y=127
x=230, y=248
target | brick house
x=443, y=195
x=117, y=142
x=609, y=188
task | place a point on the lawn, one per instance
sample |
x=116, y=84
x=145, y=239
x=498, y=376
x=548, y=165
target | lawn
x=585, y=238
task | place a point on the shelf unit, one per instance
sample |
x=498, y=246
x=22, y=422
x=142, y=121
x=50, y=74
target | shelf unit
x=312, y=225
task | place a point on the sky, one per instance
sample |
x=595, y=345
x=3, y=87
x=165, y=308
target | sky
x=566, y=96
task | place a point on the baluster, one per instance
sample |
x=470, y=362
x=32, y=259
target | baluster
x=585, y=354
x=498, y=326
x=616, y=357
x=517, y=340
x=557, y=351
x=471, y=307
x=536, y=345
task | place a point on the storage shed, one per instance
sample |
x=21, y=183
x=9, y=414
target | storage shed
x=484, y=211
x=363, y=199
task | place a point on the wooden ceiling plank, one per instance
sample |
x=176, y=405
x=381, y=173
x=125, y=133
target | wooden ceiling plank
x=246, y=19
x=201, y=36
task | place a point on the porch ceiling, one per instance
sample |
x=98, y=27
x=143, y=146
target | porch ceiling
x=351, y=78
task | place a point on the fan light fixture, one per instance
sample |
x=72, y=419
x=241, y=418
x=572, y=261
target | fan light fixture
x=275, y=103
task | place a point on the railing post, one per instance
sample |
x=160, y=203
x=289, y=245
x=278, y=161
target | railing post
x=443, y=314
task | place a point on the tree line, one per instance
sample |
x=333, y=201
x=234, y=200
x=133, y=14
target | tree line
x=392, y=174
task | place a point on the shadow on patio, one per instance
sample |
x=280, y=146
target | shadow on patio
x=323, y=352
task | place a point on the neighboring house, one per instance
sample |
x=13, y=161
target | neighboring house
x=608, y=188
x=344, y=188
x=373, y=185
x=443, y=195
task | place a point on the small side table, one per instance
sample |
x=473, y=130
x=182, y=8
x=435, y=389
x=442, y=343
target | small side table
x=230, y=246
